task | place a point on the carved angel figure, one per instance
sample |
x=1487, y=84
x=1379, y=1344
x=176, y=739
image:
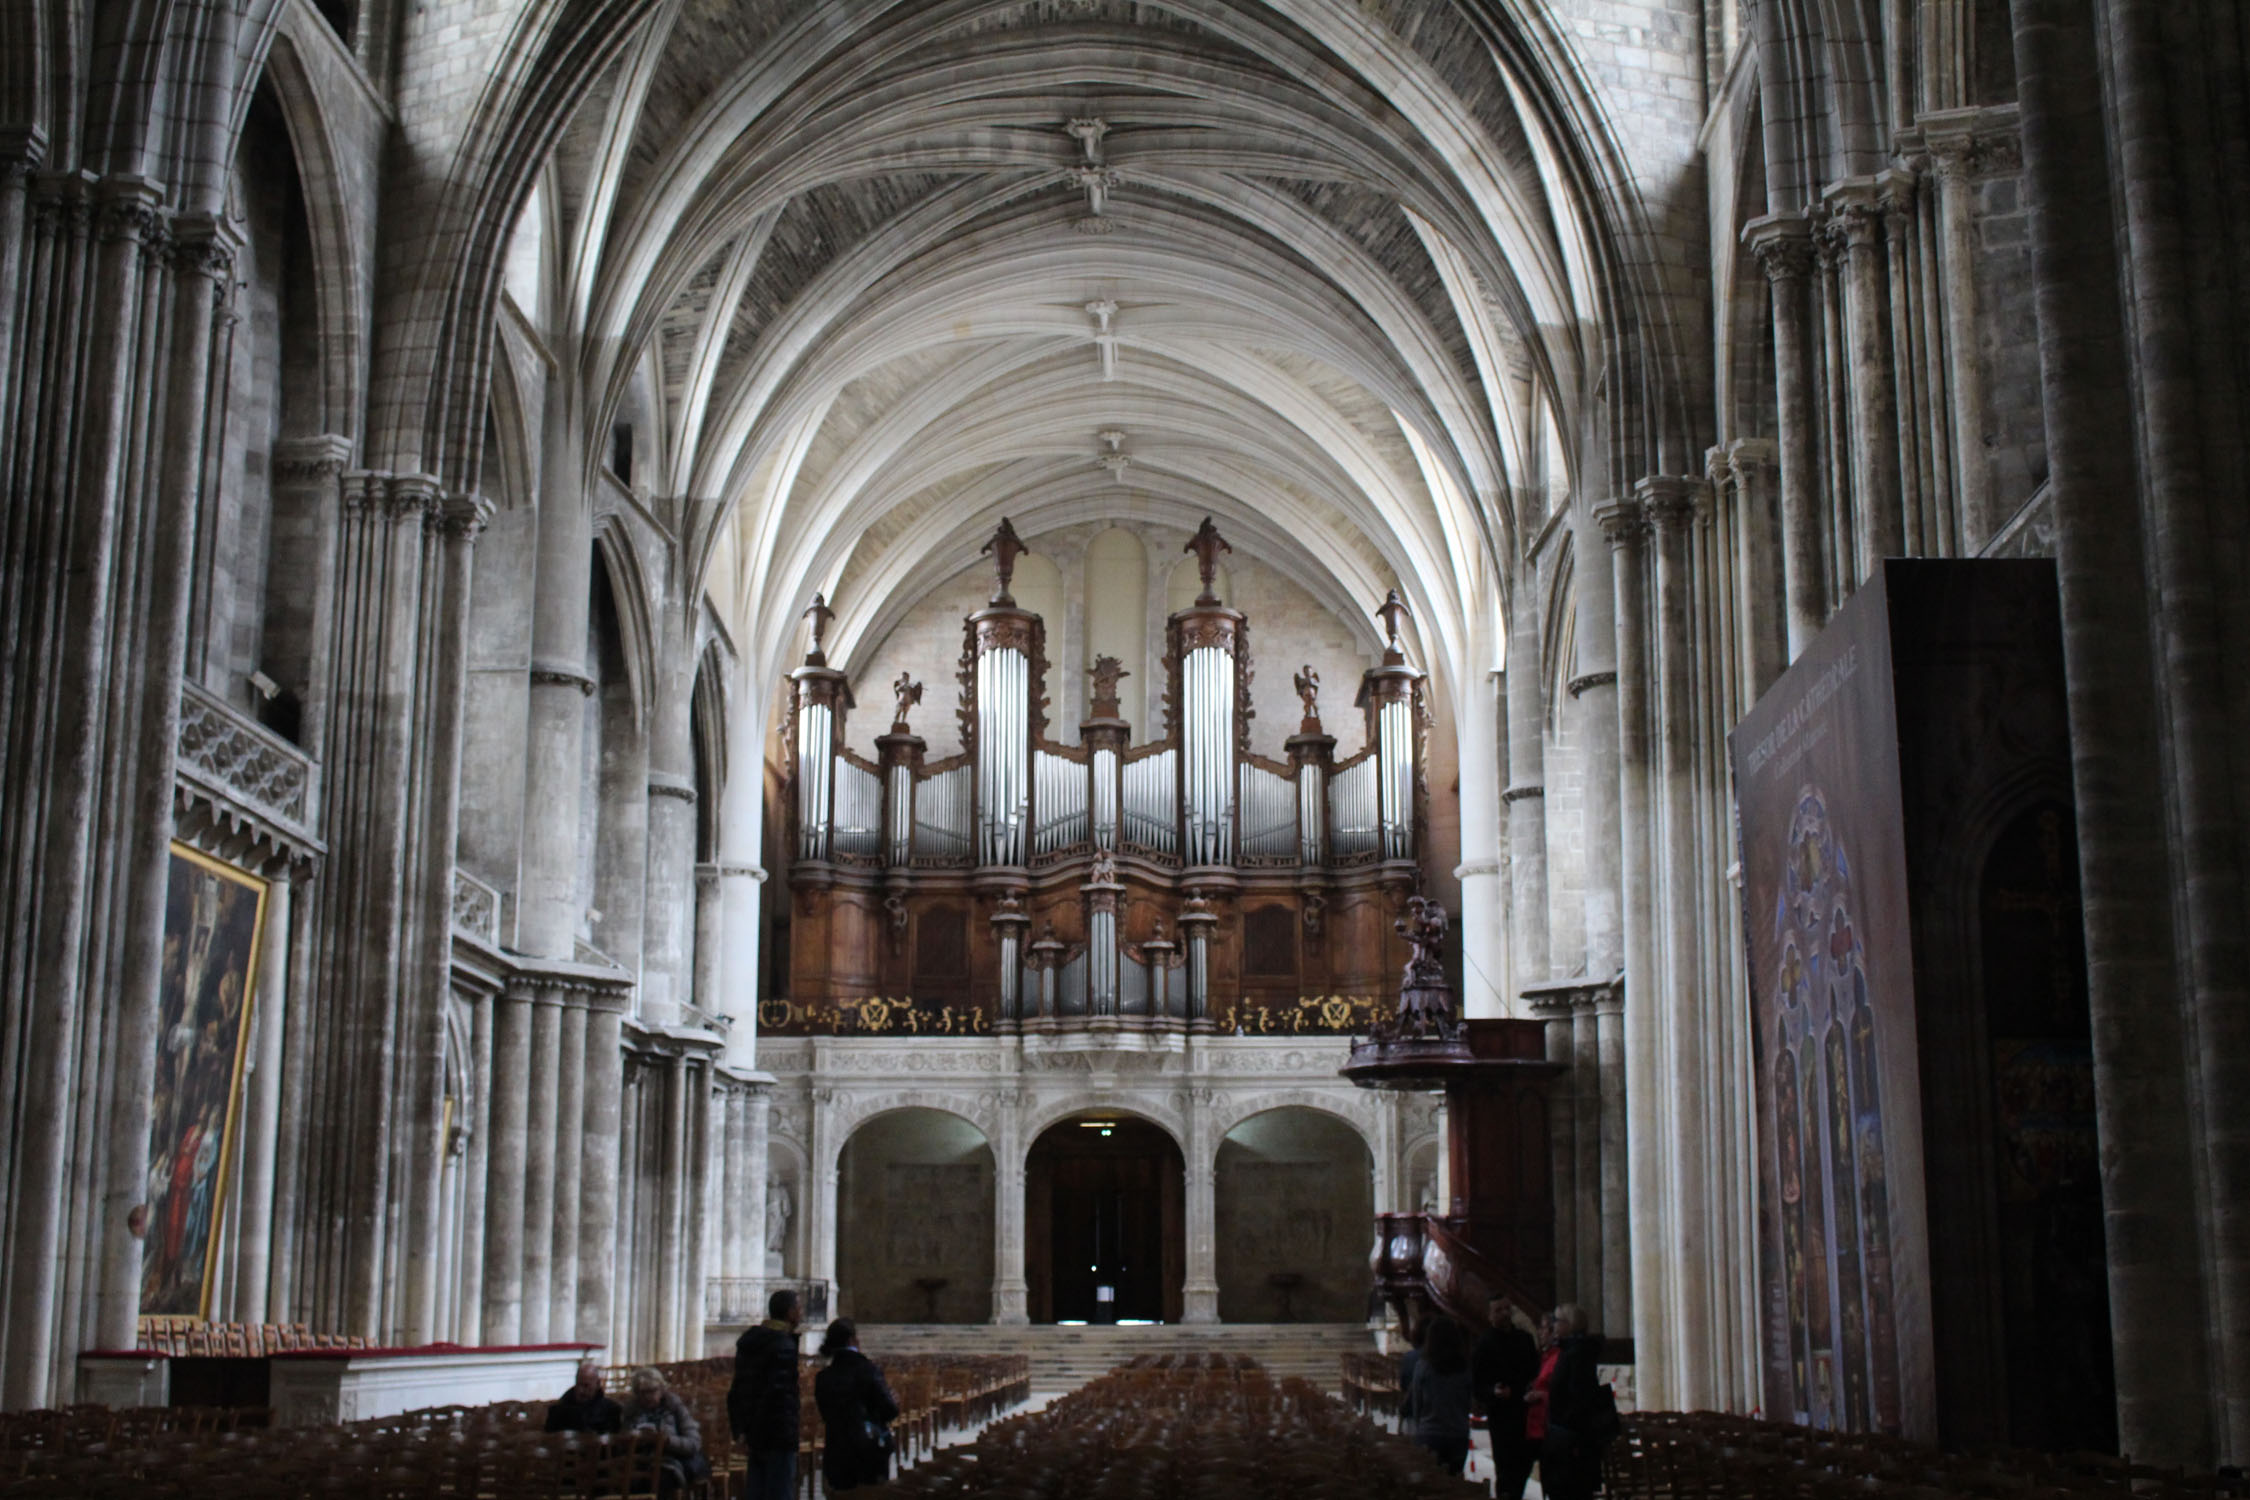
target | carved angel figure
x=1104, y=871
x=908, y=692
x=1308, y=688
x=1107, y=670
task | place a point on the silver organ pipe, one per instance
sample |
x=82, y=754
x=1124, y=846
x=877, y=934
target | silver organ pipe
x=1312, y=813
x=1003, y=750
x=1351, y=808
x=859, y=810
x=1198, y=979
x=1070, y=988
x=1269, y=814
x=1151, y=816
x=1103, y=811
x=1101, y=973
x=1059, y=794
x=1207, y=741
x=1132, y=985
x=898, y=817
x=941, y=816
x=816, y=769
x=1395, y=741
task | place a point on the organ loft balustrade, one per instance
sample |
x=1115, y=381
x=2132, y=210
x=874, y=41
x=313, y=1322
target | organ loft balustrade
x=1036, y=885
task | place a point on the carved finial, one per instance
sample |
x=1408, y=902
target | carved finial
x=1107, y=669
x=908, y=692
x=1393, y=613
x=820, y=614
x=1207, y=544
x=1004, y=548
x=1308, y=689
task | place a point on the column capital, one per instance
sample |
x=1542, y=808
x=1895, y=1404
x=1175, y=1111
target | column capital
x=130, y=208
x=1855, y=207
x=1752, y=458
x=1782, y=244
x=1669, y=500
x=1622, y=520
x=1966, y=143
x=460, y=517
x=319, y=459
x=1895, y=198
x=205, y=245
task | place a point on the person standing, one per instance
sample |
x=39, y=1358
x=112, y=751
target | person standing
x=1441, y=1394
x=856, y=1408
x=1504, y=1365
x=762, y=1403
x=1570, y=1409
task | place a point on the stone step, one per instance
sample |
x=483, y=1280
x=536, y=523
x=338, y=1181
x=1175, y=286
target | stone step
x=1063, y=1358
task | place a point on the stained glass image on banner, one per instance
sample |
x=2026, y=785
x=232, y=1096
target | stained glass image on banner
x=212, y=922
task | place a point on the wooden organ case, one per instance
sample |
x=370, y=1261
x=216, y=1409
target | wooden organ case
x=1028, y=885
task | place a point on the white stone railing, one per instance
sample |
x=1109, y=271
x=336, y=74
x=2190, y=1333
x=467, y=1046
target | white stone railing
x=476, y=908
x=241, y=757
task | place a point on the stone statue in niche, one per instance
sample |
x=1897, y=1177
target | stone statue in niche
x=1107, y=671
x=781, y=1204
x=908, y=692
x=1004, y=548
x=1207, y=544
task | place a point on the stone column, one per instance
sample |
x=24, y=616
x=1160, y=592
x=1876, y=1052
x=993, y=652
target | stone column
x=1526, y=794
x=1011, y=1292
x=262, y=1110
x=1626, y=527
x=1594, y=714
x=1783, y=245
x=1670, y=503
x=504, y=1179
x=548, y=908
x=670, y=1240
x=757, y=1145
x=1616, y=1206
x=1895, y=201
x=1763, y=645
x=820, y=1190
x=1855, y=206
x=539, y=1163
x=202, y=265
x=704, y=1203
x=1550, y=1004
x=741, y=835
x=569, y=1088
x=475, y=1177
x=2160, y=1307
x=1199, y=1292
x=1585, y=1093
x=668, y=953
x=1952, y=137
x=600, y=1155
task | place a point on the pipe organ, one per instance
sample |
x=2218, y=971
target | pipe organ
x=1031, y=885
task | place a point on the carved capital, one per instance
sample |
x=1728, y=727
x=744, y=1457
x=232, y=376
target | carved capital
x=1669, y=500
x=22, y=149
x=1622, y=521
x=204, y=245
x=1752, y=458
x=1970, y=143
x=461, y=517
x=311, y=460
x=130, y=209
x=1855, y=209
x=1782, y=244
x=1895, y=198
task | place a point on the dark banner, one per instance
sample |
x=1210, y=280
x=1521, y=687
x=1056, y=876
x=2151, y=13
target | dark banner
x=1844, y=1261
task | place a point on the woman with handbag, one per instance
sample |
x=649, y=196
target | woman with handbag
x=856, y=1409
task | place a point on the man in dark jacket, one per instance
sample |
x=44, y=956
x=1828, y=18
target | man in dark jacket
x=586, y=1407
x=762, y=1402
x=1570, y=1457
x=1504, y=1365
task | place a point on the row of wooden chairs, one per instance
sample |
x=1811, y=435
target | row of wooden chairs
x=1370, y=1383
x=1189, y=1430
x=192, y=1337
x=1706, y=1455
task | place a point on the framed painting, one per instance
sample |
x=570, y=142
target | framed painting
x=214, y=922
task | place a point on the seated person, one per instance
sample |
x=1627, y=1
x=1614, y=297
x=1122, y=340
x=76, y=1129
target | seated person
x=586, y=1407
x=656, y=1407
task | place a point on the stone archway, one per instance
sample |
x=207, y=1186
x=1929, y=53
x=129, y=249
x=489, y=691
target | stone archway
x=1294, y=1197
x=914, y=1196
x=1104, y=1221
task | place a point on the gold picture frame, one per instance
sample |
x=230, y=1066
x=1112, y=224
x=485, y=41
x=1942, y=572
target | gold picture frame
x=214, y=931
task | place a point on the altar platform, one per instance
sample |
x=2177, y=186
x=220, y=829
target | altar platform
x=312, y=1387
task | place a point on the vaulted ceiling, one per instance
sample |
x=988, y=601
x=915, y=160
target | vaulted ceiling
x=879, y=274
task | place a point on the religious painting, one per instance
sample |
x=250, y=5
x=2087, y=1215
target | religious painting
x=1843, y=1264
x=213, y=919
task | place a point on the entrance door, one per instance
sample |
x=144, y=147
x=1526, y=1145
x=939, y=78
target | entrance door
x=1103, y=1222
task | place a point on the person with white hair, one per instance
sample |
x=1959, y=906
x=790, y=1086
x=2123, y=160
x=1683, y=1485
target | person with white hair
x=655, y=1406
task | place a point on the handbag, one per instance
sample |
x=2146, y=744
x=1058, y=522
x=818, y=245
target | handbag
x=876, y=1436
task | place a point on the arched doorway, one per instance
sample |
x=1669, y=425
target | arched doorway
x=1295, y=1196
x=914, y=1220
x=1104, y=1222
